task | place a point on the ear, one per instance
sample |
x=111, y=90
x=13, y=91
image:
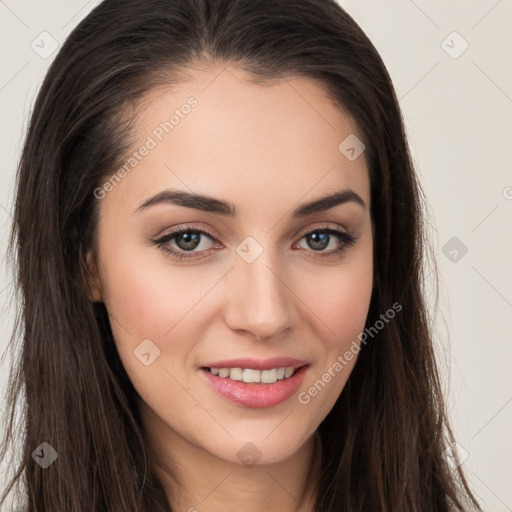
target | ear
x=93, y=281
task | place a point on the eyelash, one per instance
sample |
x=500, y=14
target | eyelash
x=346, y=239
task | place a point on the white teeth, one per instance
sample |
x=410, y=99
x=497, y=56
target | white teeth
x=235, y=373
x=250, y=375
x=269, y=376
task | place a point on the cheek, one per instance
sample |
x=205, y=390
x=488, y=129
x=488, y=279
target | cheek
x=143, y=305
x=340, y=302
x=346, y=299
x=150, y=299
x=147, y=296
x=339, y=298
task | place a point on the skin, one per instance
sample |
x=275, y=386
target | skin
x=265, y=149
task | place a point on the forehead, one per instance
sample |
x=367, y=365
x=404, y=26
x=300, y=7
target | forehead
x=270, y=141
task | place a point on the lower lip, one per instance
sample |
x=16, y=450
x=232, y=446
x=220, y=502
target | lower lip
x=255, y=394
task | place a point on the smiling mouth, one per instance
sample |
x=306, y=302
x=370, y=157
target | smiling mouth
x=254, y=388
x=249, y=375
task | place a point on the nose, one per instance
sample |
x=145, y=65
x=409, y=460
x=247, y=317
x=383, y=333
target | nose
x=261, y=301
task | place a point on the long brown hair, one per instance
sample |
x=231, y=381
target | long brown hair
x=384, y=441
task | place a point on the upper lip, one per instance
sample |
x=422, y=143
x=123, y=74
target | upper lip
x=257, y=364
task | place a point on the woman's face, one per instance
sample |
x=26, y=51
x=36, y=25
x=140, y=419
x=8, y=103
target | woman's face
x=258, y=287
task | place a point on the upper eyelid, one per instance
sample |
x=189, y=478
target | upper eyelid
x=213, y=234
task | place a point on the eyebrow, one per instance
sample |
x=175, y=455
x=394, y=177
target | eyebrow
x=220, y=207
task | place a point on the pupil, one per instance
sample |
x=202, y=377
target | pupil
x=191, y=241
x=319, y=238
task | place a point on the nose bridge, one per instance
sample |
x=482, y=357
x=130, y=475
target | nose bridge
x=262, y=303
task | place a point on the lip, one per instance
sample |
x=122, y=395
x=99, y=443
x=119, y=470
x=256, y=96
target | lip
x=257, y=364
x=256, y=395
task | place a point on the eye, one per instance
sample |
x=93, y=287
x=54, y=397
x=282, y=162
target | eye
x=179, y=242
x=320, y=238
x=186, y=240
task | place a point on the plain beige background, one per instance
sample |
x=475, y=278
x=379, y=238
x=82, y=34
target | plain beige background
x=452, y=68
